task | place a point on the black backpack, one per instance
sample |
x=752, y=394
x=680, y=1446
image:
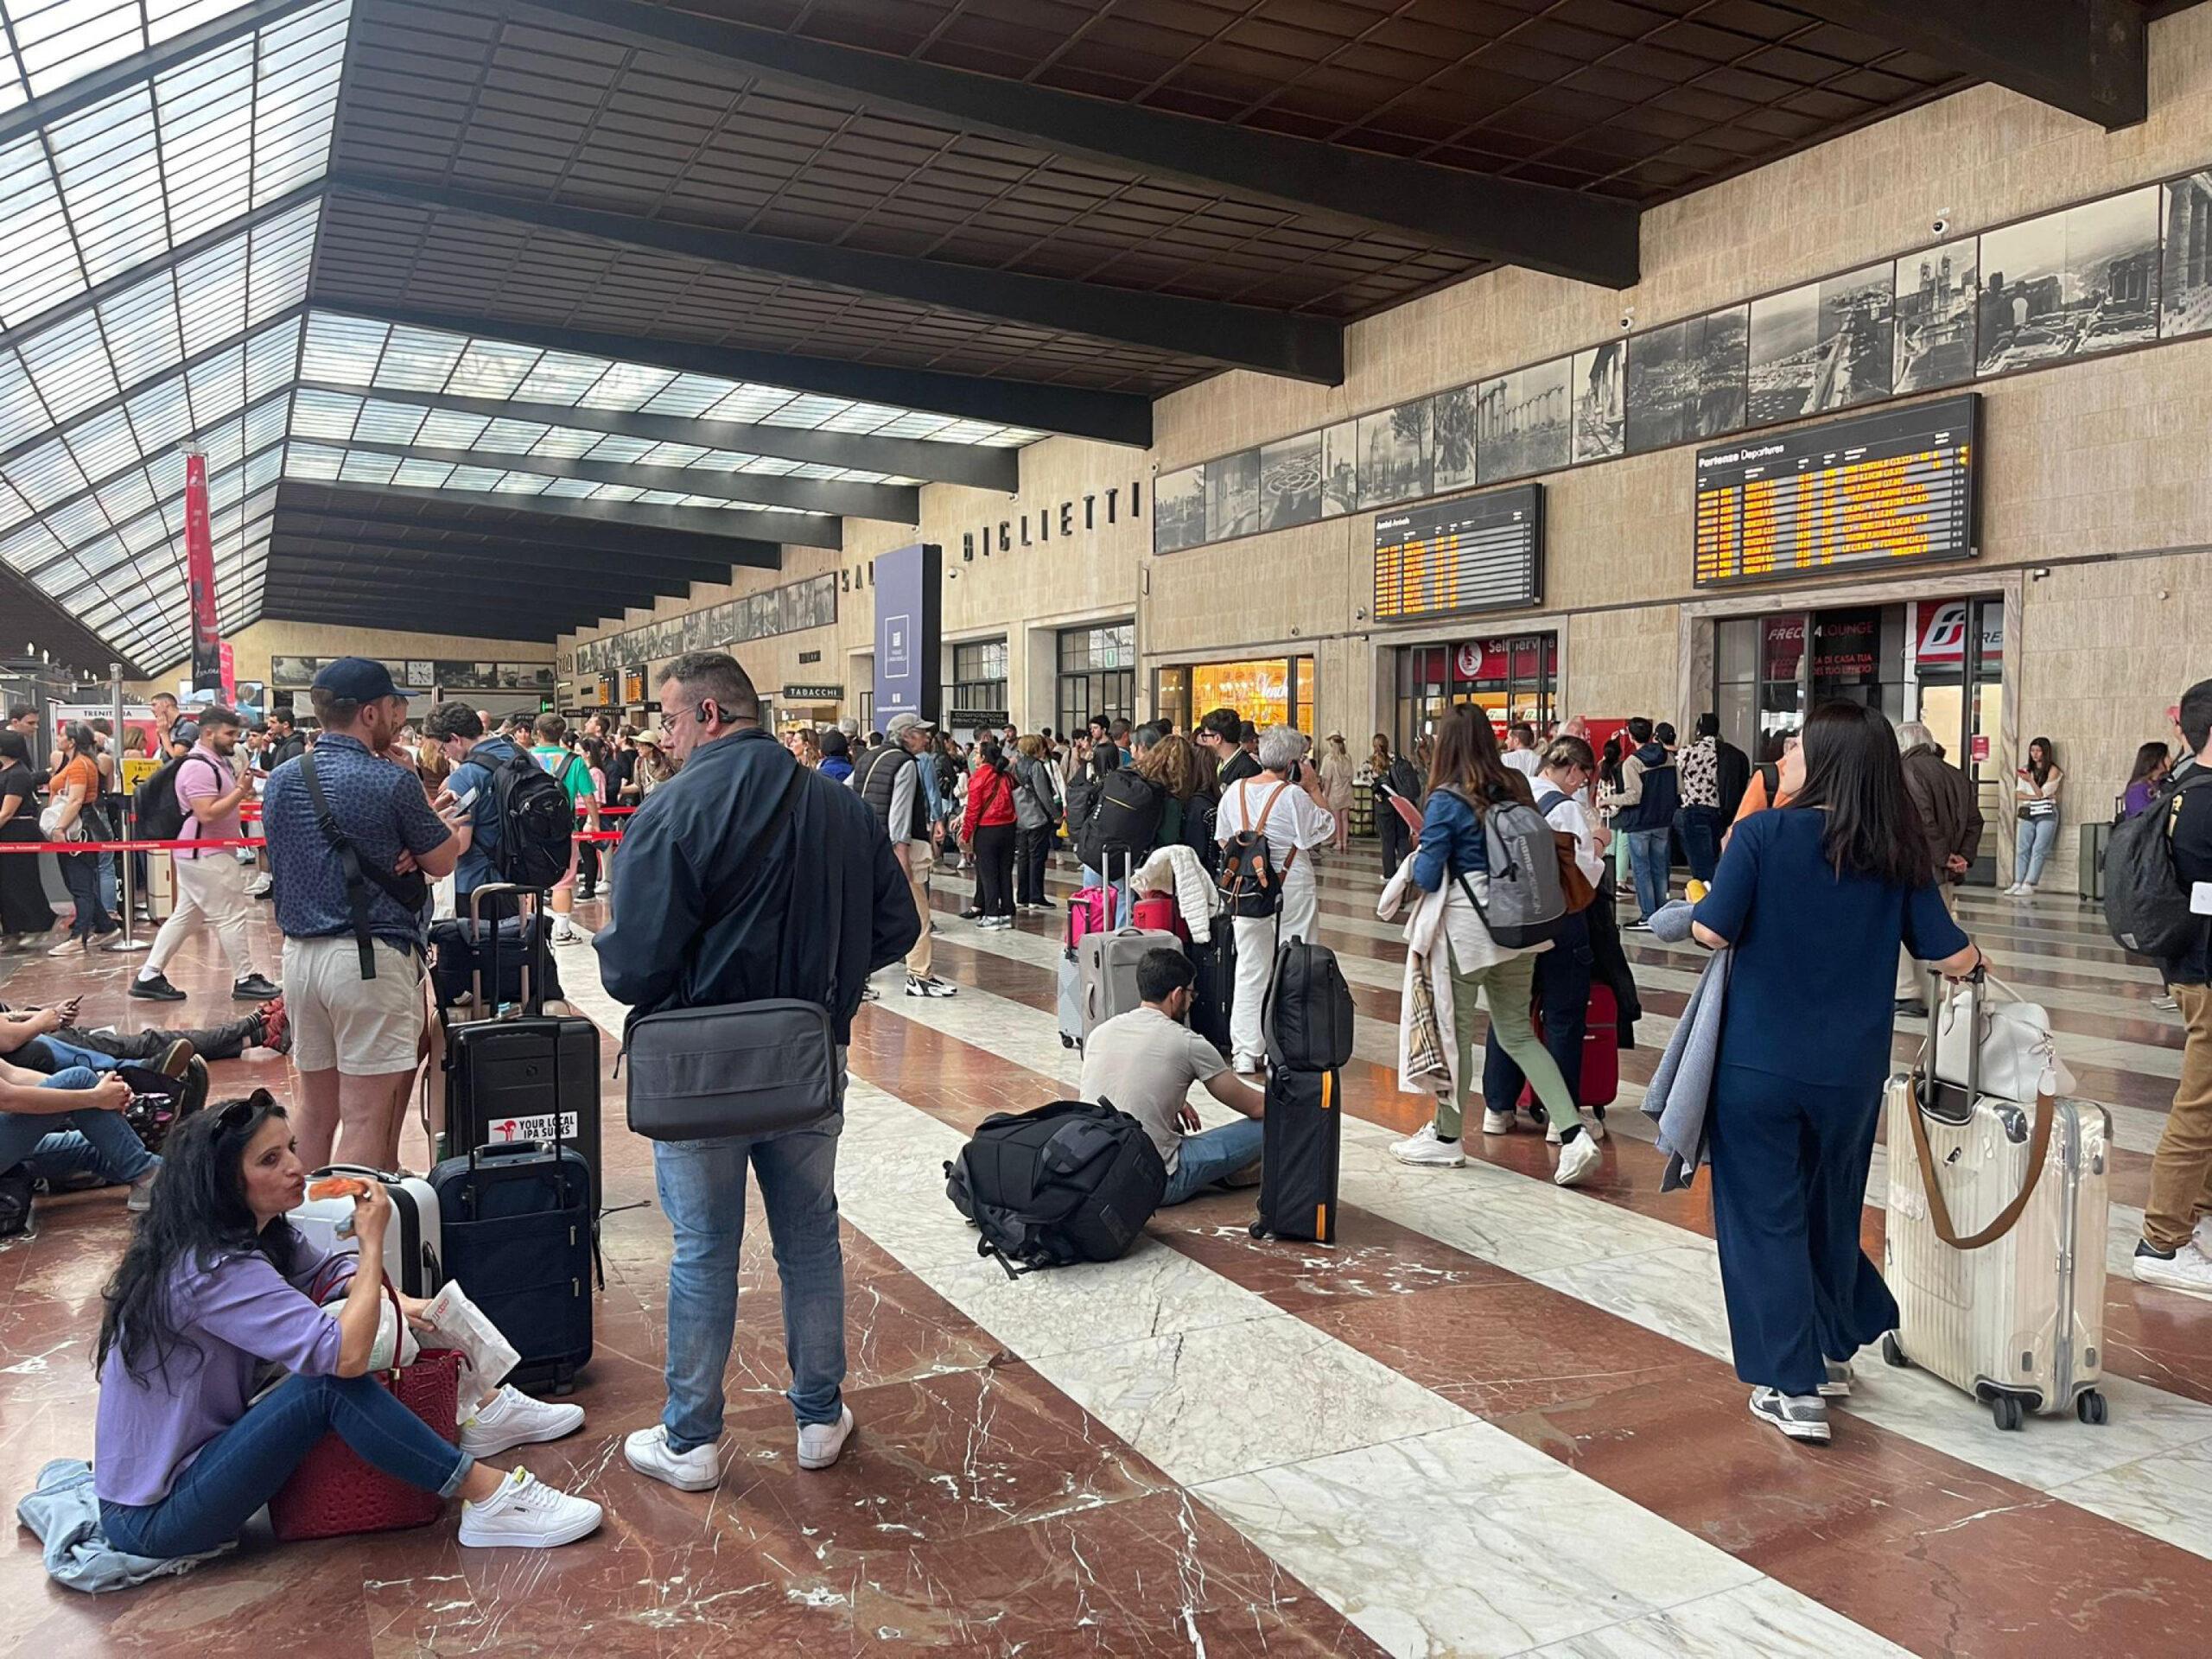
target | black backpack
x=155, y=809
x=1068, y=1182
x=1305, y=1019
x=1125, y=815
x=2147, y=902
x=538, y=826
x=1201, y=813
x=1249, y=883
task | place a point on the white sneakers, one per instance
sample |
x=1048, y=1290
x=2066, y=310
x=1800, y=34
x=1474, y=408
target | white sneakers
x=700, y=1468
x=2188, y=1269
x=513, y=1419
x=1577, y=1157
x=819, y=1443
x=1837, y=1384
x=1800, y=1416
x=2021, y=890
x=564, y=932
x=1423, y=1148
x=526, y=1514
x=697, y=1470
x=1496, y=1123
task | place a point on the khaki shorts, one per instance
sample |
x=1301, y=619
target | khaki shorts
x=363, y=1028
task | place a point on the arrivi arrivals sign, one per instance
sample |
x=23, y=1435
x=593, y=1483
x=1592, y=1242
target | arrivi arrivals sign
x=200, y=576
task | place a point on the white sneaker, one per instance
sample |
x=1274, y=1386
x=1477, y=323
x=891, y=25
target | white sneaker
x=2188, y=1269
x=698, y=1470
x=514, y=1419
x=932, y=986
x=819, y=1443
x=1551, y=1129
x=526, y=1514
x=1493, y=1122
x=564, y=932
x=2014, y=891
x=1423, y=1148
x=1838, y=1385
x=1576, y=1159
x=69, y=947
x=2165, y=1003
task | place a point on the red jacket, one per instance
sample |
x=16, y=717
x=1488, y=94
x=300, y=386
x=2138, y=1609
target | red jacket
x=990, y=801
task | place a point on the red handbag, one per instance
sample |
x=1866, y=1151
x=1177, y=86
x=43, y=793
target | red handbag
x=335, y=1492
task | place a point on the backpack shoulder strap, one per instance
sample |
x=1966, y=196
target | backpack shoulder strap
x=1551, y=798
x=349, y=860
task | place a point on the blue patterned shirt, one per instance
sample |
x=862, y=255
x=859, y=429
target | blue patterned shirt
x=379, y=805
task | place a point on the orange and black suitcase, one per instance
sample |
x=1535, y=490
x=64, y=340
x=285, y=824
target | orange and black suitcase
x=1298, y=1169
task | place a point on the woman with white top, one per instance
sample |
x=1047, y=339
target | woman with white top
x=1284, y=802
x=1336, y=769
x=2035, y=791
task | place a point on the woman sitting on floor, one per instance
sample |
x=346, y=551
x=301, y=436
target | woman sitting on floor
x=212, y=1288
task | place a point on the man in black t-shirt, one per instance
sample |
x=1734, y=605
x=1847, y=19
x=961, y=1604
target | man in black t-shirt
x=1220, y=733
x=2180, y=1203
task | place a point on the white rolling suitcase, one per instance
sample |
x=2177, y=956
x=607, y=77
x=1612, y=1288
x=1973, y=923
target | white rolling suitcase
x=413, y=1243
x=1999, y=1271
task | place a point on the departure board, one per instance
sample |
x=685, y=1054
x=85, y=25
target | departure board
x=1895, y=487
x=1471, y=553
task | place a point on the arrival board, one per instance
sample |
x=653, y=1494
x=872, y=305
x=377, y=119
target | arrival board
x=1895, y=487
x=1471, y=553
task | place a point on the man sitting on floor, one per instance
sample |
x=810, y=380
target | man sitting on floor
x=73, y=1120
x=19, y=1026
x=1144, y=1063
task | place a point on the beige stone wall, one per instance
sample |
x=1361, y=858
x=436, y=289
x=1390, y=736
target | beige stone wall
x=252, y=647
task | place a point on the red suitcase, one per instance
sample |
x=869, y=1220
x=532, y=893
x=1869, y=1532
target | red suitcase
x=1601, y=1052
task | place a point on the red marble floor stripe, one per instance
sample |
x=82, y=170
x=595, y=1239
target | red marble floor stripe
x=1969, y=1563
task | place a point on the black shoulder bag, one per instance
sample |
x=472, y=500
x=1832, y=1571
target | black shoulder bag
x=408, y=892
x=739, y=1069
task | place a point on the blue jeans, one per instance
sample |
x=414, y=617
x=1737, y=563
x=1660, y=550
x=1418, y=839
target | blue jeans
x=1700, y=829
x=2033, y=847
x=1211, y=1153
x=117, y=1151
x=702, y=1187
x=80, y=873
x=50, y=1053
x=1647, y=859
x=242, y=1468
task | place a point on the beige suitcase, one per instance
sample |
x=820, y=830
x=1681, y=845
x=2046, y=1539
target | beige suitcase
x=2017, y=1320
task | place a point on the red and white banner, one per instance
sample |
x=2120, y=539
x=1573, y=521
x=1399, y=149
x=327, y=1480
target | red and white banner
x=207, y=665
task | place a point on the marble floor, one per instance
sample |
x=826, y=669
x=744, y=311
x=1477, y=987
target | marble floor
x=1496, y=1417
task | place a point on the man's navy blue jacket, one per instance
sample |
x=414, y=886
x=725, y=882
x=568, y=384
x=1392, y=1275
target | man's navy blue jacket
x=824, y=905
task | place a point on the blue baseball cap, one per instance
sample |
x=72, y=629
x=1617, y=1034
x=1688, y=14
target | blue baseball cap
x=357, y=679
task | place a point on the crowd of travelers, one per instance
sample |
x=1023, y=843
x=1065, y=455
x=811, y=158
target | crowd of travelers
x=230, y=1345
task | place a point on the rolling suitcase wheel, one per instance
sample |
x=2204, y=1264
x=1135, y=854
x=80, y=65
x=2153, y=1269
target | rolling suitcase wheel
x=2090, y=1408
x=2006, y=1411
x=1892, y=1354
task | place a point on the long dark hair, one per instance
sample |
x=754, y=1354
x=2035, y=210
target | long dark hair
x=992, y=752
x=2041, y=770
x=2148, y=759
x=199, y=1216
x=1853, y=768
x=1467, y=762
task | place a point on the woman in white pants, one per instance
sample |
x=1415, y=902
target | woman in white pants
x=1284, y=802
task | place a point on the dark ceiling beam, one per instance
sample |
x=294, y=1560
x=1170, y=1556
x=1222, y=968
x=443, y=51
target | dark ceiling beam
x=518, y=585
x=365, y=610
x=898, y=504
x=88, y=89
x=985, y=466
x=1076, y=411
x=485, y=625
x=2087, y=57
x=1234, y=336
x=1568, y=233
x=31, y=617
x=799, y=529
x=429, y=556
x=348, y=510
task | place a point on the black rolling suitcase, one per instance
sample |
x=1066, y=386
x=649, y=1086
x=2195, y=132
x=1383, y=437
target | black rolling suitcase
x=1298, y=1170
x=502, y=1075
x=1215, y=987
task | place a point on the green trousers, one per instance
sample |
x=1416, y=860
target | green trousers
x=1507, y=988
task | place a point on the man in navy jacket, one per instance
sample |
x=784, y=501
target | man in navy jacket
x=745, y=877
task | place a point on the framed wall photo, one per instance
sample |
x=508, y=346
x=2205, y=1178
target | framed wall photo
x=1394, y=454
x=1936, y=291
x=1524, y=421
x=2070, y=283
x=1178, y=510
x=1599, y=382
x=2185, y=275
x=1339, y=468
x=1823, y=346
x=1452, y=435
x=1290, y=481
x=1233, y=496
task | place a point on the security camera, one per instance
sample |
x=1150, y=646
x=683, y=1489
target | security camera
x=1628, y=321
x=1939, y=226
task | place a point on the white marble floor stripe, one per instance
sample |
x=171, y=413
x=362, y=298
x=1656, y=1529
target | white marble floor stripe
x=1378, y=1493
x=2143, y=1470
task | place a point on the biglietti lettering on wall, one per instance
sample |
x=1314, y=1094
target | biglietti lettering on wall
x=1064, y=522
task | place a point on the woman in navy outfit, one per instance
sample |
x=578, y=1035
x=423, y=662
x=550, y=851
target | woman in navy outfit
x=1815, y=897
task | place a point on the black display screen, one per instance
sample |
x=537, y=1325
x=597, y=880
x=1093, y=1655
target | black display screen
x=1471, y=553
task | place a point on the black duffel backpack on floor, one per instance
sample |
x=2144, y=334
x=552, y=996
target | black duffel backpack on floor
x=1068, y=1182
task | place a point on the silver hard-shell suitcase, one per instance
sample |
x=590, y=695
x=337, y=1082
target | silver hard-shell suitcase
x=1108, y=968
x=2017, y=1321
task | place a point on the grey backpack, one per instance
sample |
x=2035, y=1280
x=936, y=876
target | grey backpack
x=1527, y=904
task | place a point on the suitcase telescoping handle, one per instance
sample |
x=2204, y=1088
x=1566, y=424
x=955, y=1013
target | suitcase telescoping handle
x=531, y=1003
x=1938, y=1212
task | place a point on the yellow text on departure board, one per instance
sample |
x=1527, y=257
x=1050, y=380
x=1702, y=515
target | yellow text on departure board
x=1898, y=507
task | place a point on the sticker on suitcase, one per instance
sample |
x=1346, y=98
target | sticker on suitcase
x=539, y=1128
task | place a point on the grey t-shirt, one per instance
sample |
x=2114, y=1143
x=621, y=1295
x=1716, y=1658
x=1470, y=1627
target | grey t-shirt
x=1144, y=1063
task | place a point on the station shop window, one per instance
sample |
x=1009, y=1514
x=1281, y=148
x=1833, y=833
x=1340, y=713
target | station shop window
x=1939, y=661
x=1510, y=678
x=1097, y=676
x=977, y=695
x=1266, y=690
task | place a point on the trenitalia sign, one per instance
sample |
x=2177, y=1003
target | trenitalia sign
x=1079, y=516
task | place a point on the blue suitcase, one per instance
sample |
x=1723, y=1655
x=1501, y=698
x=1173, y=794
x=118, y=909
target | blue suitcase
x=515, y=1220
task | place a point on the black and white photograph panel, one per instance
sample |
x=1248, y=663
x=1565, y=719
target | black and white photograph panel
x=2070, y=283
x=1233, y=496
x=1290, y=481
x=1719, y=341
x=1823, y=346
x=1934, y=316
x=1451, y=425
x=1524, y=421
x=1339, y=468
x=1393, y=454
x=2186, y=283
x=1178, y=509
x=1601, y=407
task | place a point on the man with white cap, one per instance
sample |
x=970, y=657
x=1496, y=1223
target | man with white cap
x=889, y=778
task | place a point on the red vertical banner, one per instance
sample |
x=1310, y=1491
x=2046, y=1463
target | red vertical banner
x=230, y=677
x=199, y=576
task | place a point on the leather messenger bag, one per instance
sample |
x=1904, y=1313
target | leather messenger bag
x=742, y=1069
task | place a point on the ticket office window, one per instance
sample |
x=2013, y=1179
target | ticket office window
x=1511, y=678
x=1097, y=675
x=1267, y=691
x=979, y=681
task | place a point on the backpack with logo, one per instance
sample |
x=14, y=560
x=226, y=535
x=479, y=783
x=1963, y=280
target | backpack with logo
x=155, y=809
x=2147, y=902
x=1125, y=815
x=1249, y=883
x=1068, y=1182
x=1527, y=904
x=538, y=826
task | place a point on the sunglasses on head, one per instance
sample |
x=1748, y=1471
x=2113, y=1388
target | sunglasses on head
x=239, y=1113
